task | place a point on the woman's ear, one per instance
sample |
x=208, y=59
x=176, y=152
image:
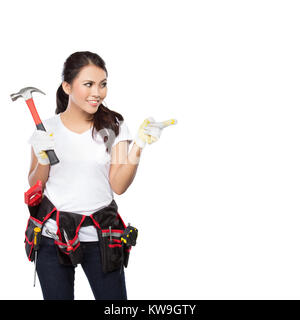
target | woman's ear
x=66, y=87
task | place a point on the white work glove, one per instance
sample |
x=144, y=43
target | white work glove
x=42, y=141
x=150, y=131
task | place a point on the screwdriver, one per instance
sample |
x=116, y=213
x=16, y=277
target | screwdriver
x=110, y=234
x=36, y=243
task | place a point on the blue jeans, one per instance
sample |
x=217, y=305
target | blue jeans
x=57, y=280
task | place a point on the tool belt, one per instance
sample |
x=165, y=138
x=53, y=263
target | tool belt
x=109, y=224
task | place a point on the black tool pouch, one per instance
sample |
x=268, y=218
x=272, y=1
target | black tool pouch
x=112, y=252
x=29, y=235
x=126, y=253
x=65, y=257
x=110, y=227
x=70, y=224
x=35, y=220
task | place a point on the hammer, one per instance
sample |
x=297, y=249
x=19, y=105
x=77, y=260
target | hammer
x=26, y=94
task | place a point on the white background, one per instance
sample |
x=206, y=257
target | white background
x=216, y=199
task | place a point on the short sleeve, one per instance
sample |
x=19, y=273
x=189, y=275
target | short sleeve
x=124, y=134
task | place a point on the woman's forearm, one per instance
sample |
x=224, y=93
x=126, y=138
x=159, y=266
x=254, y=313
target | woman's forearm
x=40, y=172
x=126, y=171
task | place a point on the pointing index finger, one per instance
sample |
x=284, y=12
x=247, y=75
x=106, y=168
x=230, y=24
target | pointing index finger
x=162, y=124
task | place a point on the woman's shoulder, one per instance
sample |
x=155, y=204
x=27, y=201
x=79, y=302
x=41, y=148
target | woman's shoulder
x=51, y=121
x=124, y=133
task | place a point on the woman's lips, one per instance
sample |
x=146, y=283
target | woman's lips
x=93, y=103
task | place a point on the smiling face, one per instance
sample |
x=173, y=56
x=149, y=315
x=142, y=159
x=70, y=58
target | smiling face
x=88, y=89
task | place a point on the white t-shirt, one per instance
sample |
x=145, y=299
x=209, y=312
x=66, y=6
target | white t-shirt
x=79, y=183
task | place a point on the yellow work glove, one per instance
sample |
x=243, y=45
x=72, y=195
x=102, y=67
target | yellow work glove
x=154, y=129
x=42, y=141
x=150, y=131
x=141, y=138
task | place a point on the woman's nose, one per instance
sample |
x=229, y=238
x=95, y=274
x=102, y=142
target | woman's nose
x=98, y=92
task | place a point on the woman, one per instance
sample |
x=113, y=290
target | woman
x=91, y=142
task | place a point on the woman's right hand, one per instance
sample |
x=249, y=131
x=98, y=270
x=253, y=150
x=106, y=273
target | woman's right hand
x=42, y=141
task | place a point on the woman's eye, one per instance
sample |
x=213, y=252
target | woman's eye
x=103, y=84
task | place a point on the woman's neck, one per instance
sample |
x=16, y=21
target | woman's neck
x=76, y=115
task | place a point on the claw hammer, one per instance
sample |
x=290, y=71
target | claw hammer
x=26, y=94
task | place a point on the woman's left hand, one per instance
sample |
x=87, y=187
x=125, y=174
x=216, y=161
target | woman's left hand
x=154, y=129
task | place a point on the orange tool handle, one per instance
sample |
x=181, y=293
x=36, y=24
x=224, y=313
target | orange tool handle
x=50, y=153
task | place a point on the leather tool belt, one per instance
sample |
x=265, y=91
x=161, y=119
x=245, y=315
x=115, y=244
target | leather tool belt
x=109, y=224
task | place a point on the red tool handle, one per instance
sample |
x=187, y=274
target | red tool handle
x=33, y=196
x=39, y=125
x=33, y=111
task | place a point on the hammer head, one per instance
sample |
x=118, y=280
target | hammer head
x=25, y=93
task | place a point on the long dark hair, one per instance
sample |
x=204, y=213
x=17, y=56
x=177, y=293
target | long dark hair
x=104, y=118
